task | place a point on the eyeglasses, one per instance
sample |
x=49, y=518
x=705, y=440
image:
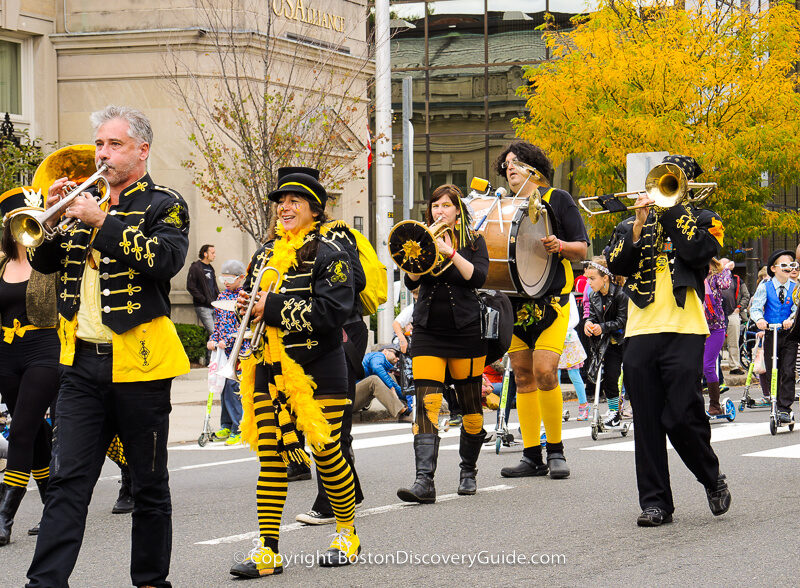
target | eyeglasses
x=228, y=279
x=505, y=164
x=787, y=267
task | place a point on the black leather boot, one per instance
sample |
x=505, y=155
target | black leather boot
x=124, y=503
x=469, y=449
x=556, y=461
x=714, y=408
x=42, y=485
x=9, y=504
x=426, y=453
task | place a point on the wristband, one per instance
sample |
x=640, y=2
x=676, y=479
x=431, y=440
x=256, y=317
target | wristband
x=453, y=254
x=560, y=245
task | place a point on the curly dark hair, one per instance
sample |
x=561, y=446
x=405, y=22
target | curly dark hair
x=526, y=153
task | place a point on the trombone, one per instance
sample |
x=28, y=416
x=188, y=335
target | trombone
x=666, y=184
x=229, y=369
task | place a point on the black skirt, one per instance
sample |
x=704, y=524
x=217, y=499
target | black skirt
x=450, y=343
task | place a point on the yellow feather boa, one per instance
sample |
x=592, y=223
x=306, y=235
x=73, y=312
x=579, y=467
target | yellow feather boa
x=296, y=385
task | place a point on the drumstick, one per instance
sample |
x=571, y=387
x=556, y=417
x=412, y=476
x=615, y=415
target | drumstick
x=500, y=193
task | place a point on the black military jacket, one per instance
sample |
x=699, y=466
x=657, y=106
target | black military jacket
x=143, y=244
x=696, y=237
x=313, y=302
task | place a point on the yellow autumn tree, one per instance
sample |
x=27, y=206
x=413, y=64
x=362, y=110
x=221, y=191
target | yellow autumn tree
x=711, y=81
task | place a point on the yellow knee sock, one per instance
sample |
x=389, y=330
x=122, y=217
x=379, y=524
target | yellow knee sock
x=552, y=405
x=530, y=417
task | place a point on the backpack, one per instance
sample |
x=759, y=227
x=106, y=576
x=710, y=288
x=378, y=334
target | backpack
x=375, y=292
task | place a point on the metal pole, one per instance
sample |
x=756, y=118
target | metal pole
x=383, y=161
x=408, y=166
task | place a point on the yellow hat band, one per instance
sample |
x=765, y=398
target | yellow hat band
x=302, y=186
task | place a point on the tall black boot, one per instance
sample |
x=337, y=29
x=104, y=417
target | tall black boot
x=9, y=504
x=469, y=449
x=124, y=503
x=426, y=453
x=42, y=485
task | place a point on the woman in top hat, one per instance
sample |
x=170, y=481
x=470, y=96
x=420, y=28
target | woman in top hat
x=447, y=339
x=29, y=352
x=296, y=380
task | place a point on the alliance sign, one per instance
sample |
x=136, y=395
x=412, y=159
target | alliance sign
x=294, y=10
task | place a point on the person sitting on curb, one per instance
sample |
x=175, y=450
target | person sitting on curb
x=379, y=384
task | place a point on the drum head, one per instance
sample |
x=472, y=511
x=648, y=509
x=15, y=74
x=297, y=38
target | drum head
x=532, y=267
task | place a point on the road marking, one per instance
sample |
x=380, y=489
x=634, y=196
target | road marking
x=789, y=452
x=575, y=433
x=728, y=432
x=359, y=514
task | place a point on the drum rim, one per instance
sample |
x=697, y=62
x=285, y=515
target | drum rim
x=521, y=213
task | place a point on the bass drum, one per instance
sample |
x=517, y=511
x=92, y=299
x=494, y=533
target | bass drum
x=519, y=265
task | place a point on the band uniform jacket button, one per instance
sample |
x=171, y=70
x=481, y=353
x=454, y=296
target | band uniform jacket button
x=106, y=292
x=106, y=309
x=112, y=212
x=104, y=276
x=106, y=260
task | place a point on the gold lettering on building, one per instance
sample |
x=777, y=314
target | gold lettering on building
x=296, y=11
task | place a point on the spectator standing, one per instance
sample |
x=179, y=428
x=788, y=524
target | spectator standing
x=202, y=285
x=735, y=300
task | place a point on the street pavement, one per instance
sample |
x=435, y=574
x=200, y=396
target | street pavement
x=514, y=532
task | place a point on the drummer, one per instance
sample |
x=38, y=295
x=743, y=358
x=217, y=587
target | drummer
x=541, y=323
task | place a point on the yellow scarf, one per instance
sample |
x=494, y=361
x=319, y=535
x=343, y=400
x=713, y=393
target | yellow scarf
x=290, y=380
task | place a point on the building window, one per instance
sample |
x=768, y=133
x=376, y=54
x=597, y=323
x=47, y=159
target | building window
x=10, y=77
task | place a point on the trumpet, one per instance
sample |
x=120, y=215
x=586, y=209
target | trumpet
x=414, y=249
x=229, y=369
x=666, y=184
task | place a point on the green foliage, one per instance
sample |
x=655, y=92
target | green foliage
x=18, y=164
x=712, y=81
x=194, y=339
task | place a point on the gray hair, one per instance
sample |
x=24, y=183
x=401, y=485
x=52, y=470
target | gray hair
x=138, y=124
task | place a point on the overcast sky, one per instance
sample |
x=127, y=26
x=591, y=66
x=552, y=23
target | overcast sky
x=476, y=6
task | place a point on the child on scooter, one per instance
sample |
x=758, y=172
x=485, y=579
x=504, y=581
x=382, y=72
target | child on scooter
x=572, y=359
x=773, y=303
x=608, y=313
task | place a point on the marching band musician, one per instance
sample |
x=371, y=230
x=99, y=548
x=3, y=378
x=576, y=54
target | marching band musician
x=297, y=381
x=29, y=352
x=119, y=350
x=447, y=339
x=541, y=324
x=664, y=340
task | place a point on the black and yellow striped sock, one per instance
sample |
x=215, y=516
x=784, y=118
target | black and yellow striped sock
x=272, y=485
x=17, y=479
x=41, y=474
x=333, y=470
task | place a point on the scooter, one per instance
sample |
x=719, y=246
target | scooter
x=747, y=401
x=728, y=412
x=207, y=434
x=597, y=421
x=503, y=437
x=774, y=418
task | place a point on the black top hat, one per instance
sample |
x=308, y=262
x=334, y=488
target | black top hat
x=16, y=198
x=688, y=164
x=300, y=180
x=774, y=257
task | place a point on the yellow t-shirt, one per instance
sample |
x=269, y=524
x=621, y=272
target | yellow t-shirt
x=664, y=315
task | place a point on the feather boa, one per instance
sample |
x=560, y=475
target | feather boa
x=292, y=381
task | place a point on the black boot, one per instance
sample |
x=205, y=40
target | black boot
x=9, y=503
x=42, y=485
x=124, y=503
x=426, y=452
x=469, y=449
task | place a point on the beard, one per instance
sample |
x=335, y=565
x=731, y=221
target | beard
x=119, y=173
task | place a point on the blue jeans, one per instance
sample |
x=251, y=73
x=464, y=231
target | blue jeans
x=206, y=316
x=231, y=407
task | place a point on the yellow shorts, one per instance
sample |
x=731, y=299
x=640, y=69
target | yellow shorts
x=549, y=339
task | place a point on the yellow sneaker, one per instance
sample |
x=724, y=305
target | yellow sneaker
x=261, y=561
x=233, y=440
x=344, y=548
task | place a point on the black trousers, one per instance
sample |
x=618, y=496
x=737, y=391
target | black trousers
x=91, y=410
x=612, y=365
x=662, y=377
x=358, y=333
x=787, y=356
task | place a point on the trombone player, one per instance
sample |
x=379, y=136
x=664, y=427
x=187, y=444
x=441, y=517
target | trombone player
x=665, y=253
x=119, y=350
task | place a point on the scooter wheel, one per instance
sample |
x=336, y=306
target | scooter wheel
x=201, y=441
x=624, y=431
x=791, y=427
x=497, y=444
x=594, y=432
x=773, y=426
x=566, y=416
x=730, y=410
x=741, y=406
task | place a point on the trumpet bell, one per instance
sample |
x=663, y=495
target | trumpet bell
x=228, y=371
x=413, y=247
x=26, y=228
